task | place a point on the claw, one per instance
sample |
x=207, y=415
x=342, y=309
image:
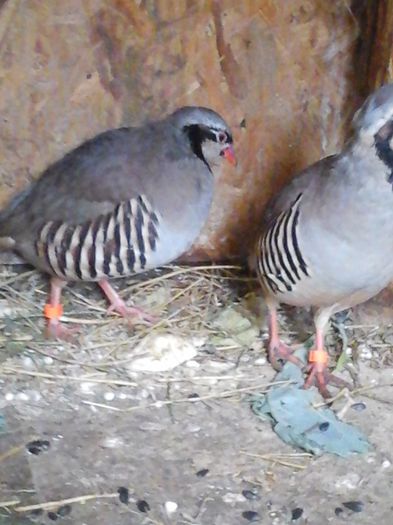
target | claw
x=131, y=312
x=280, y=353
x=56, y=330
x=319, y=375
x=119, y=306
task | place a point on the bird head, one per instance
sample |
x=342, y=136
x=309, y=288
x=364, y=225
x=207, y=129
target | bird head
x=207, y=134
x=375, y=118
x=374, y=125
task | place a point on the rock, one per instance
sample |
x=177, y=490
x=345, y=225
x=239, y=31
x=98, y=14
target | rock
x=161, y=352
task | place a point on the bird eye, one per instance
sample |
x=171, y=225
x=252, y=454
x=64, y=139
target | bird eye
x=222, y=137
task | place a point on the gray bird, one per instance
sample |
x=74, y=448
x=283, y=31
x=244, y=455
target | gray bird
x=126, y=201
x=327, y=240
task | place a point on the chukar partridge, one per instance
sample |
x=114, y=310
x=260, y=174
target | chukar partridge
x=126, y=201
x=328, y=235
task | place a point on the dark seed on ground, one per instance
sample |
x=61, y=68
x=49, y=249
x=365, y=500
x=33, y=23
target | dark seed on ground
x=338, y=511
x=142, y=505
x=359, y=407
x=124, y=495
x=297, y=513
x=64, y=511
x=324, y=426
x=37, y=446
x=35, y=513
x=355, y=506
x=251, y=515
x=251, y=494
x=202, y=473
x=193, y=396
x=52, y=516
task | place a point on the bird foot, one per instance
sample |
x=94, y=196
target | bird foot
x=320, y=376
x=280, y=353
x=131, y=312
x=56, y=330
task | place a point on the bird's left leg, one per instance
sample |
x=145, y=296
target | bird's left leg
x=116, y=304
x=318, y=358
x=278, y=351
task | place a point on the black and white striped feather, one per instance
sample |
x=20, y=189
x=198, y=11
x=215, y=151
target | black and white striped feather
x=280, y=263
x=112, y=245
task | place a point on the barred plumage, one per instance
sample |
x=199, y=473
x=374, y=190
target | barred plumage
x=112, y=245
x=280, y=262
x=327, y=237
x=128, y=200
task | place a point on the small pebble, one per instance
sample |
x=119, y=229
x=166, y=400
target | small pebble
x=52, y=516
x=122, y=395
x=192, y=364
x=48, y=360
x=260, y=361
x=338, y=511
x=9, y=396
x=22, y=396
x=86, y=387
x=170, y=507
x=359, y=407
x=386, y=463
x=64, y=511
x=112, y=442
x=124, y=496
x=251, y=515
x=142, y=505
x=297, y=513
x=355, y=506
x=109, y=396
x=231, y=497
x=202, y=473
x=251, y=494
x=38, y=446
x=192, y=428
x=350, y=481
x=324, y=426
x=193, y=396
x=28, y=362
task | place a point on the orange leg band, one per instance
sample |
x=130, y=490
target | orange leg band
x=318, y=356
x=53, y=311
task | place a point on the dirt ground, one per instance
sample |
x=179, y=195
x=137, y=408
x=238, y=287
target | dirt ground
x=80, y=420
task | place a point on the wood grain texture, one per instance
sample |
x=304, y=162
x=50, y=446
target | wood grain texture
x=281, y=73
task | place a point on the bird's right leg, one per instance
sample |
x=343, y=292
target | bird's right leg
x=278, y=351
x=54, y=310
x=319, y=374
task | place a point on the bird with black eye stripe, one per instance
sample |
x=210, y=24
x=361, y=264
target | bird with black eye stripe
x=126, y=201
x=327, y=239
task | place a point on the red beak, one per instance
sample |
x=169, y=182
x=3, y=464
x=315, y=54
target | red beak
x=229, y=155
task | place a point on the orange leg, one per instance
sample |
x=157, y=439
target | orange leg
x=116, y=304
x=319, y=374
x=54, y=310
x=278, y=351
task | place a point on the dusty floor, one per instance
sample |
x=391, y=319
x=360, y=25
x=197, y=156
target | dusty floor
x=183, y=442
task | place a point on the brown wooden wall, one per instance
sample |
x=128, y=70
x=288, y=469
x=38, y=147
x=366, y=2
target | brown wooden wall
x=282, y=73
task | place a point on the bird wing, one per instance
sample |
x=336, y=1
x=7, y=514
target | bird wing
x=87, y=182
x=280, y=262
x=100, y=210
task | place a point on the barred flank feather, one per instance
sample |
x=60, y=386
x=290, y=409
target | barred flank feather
x=280, y=261
x=112, y=245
